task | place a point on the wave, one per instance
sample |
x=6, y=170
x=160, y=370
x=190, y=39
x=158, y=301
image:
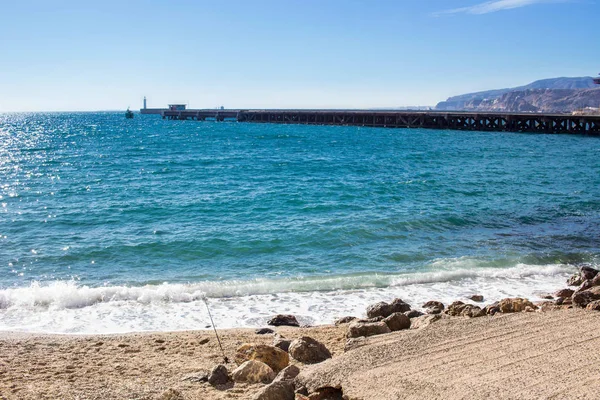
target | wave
x=72, y=294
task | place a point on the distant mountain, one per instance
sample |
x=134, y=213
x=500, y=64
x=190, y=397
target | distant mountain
x=547, y=95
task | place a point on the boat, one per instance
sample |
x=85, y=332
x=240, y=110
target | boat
x=128, y=114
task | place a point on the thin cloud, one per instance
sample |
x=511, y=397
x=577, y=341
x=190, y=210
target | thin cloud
x=496, y=5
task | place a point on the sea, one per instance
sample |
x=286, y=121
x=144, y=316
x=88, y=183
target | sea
x=112, y=225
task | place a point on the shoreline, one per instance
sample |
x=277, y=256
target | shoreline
x=152, y=365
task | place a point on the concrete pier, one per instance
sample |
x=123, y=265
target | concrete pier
x=499, y=122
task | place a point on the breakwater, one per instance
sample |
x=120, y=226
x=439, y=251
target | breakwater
x=500, y=122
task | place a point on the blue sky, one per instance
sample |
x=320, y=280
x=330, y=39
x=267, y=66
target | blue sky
x=99, y=55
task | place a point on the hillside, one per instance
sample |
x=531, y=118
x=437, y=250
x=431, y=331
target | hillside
x=548, y=95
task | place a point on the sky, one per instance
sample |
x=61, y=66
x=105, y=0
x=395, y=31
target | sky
x=66, y=55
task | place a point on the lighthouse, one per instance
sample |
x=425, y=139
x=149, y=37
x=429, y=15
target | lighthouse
x=144, y=102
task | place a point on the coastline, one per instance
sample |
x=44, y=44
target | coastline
x=408, y=363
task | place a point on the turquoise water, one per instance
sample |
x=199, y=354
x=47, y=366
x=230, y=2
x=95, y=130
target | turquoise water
x=134, y=222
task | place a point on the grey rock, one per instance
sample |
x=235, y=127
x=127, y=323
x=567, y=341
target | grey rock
x=564, y=293
x=280, y=390
x=264, y=331
x=476, y=298
x=289, y=373
x=308, y=350
x=413, y=314
x=282, y=343
x=383, y=309
x=358, y=329
x=584, y=297
x=397, y=322
x=283, y=320
x=219, y=375
x=588, y=273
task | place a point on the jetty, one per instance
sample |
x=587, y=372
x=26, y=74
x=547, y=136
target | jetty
x=466, y=121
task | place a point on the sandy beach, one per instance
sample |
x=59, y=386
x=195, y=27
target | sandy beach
x=514, y=356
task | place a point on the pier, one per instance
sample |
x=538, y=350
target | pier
x=466, y=121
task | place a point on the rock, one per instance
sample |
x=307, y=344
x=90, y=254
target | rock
x=424, y=321
x=204, y=341
x=171, y=394
x=584, y=297
x=476, y=298
x=289, y=373
x=264, y=331
x=546, y=296
x=593, y=305
x=201, y=376
x=274, y=357
x=281, y=390
x=413, y=314
x=588, y=273
x=596, y=280
x=370, y=320
x=512, y=305
x=383, y=309
x=219, y=375
x=357, y=329
x=282, y=343
x=564, y=293
x=309, y=351
x=327, y=393
x=283, y=320
x=575, y=280
x=491, y=309
x=253, y=372
x=460, y=309
x=433, y=307
x=397, y=321
x=344, y=320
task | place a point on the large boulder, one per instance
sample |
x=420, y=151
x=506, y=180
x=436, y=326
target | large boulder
x=283, y=320
x=308, y=350
x=584, y=297
x=596, y=280
x=358, y=329
x=218, y=375
x=397, y=321
x=275, y=358
x=516, y=304
x=280, y=390
x=433, y=307
x=383, y=309
x=460, y=309
x=253, y=372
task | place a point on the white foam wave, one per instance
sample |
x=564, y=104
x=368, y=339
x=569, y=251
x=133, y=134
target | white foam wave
x=70, y=307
